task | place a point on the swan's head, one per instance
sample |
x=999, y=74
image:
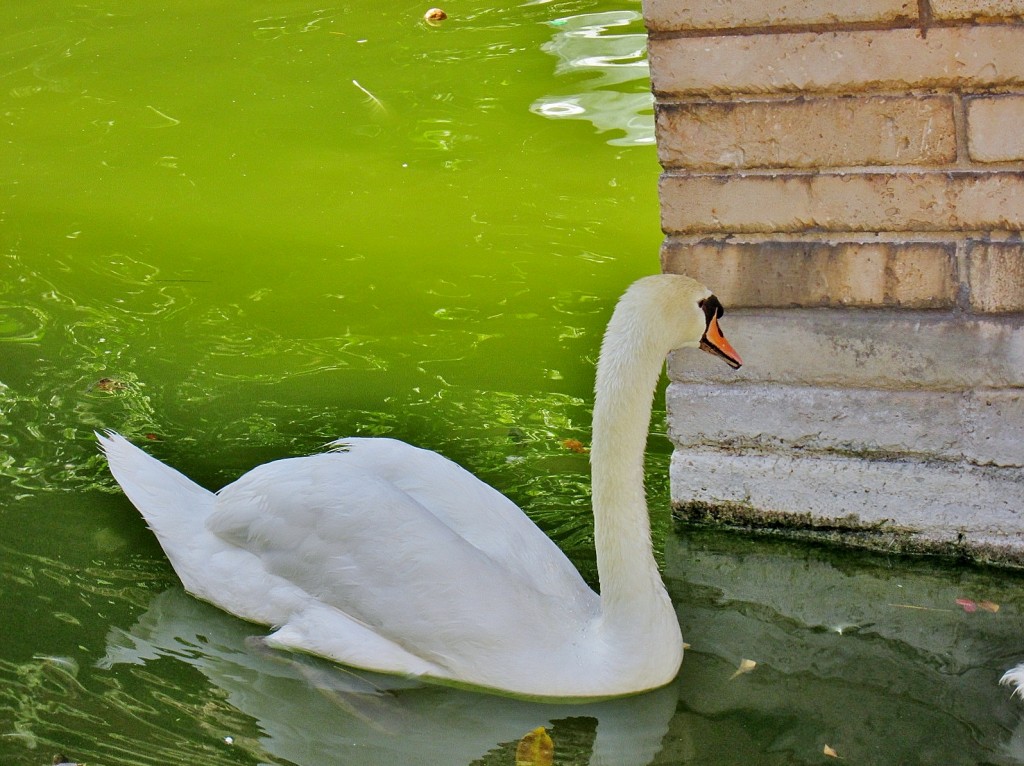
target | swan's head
x=680, y=313
x=713, y=341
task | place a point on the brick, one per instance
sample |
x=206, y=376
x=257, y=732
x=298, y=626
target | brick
x=807, y=133
x=965, y=9
x=781, y=274
x=804, y=62
x=897, y=350
x=995, y=277
x=667, y=15
x=994, y=128
x=842, y=202
x=982, y=428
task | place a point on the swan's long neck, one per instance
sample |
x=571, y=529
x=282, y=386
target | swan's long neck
x=628, y=371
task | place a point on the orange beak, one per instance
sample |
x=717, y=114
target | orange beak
x=715, y=343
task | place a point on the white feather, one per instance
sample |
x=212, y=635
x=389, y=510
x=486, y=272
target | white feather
x=1014, y=677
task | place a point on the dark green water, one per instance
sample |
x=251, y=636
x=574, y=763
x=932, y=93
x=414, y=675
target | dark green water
x=235, y=231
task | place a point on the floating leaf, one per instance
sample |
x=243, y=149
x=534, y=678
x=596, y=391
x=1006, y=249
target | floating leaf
x=967, y=605
x=535, y=749
x=970, y=605
x=829, y=752
x=745, y=667
x=574, y=445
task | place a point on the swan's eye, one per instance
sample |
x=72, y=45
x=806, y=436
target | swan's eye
x=712, y=307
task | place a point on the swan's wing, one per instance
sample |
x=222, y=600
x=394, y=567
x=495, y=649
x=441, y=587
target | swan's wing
x=474, y=510
x=361, y=545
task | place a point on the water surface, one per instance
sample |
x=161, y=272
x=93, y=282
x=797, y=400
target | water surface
x=237, y=231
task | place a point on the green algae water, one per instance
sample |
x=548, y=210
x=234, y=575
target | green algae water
x=234, y=232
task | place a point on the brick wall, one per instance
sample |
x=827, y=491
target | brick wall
x=850, y=175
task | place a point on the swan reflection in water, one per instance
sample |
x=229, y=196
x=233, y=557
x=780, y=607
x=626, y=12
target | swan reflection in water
x=312, y=712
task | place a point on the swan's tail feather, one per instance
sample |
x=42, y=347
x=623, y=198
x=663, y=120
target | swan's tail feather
x=171, y=503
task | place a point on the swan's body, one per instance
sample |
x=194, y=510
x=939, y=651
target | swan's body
x=392, y=558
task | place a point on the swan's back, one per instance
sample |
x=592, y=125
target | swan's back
x=473, y=509
x=358, y=543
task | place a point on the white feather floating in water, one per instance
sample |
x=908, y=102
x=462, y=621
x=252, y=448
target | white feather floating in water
x=370, y=97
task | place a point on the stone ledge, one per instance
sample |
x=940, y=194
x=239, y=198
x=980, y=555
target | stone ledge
x=976, y=427
x=670, y=15
x=783, y=274
x=883, y=538
x=842, y=201
x=807, y=133
x=974, y=57
x=896, y=350
x=922, y=502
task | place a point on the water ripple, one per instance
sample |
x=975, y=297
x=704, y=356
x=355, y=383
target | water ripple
x=616, y=95
x=21, y=324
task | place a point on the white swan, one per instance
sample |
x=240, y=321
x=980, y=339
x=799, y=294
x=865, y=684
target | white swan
x=392, y=558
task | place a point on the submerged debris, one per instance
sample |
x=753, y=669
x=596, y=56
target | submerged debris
x=745, y=667
x=108, y=385
x=535, y=749
x=435, y=16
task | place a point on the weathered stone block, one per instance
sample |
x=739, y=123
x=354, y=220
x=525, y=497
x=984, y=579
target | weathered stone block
x=983, y=428
x=780, y=274
x=995, y=428
x=841, y=201
x=995, y=277
x=889, y=59
x=878, y=349
x=993, y=128
x=907, y=422
x=807, y=133
x=966, y=9
x=938, y=503
x=666, y=15
x=861, y=422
